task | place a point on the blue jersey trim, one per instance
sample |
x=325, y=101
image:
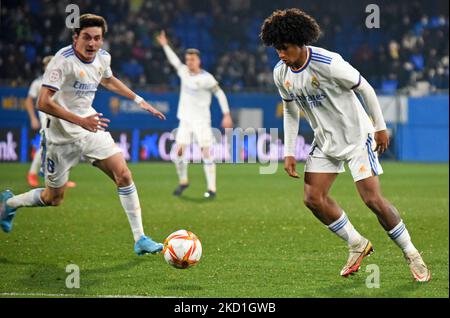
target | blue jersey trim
x=82, y=59
x=103, y=52
x=320, y=60
x=357, y=84
x=322, y=56
x=51, y=87
x=67, y=51
x=70, y=52
x=279, y=64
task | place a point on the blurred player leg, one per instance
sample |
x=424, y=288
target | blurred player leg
x=32, y=177
x=181, y=165
x=183, y=139
x=204, y=137
x=209, y=166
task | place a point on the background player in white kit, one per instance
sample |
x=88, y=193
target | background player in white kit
x=322, y=85
x=76, y=129
x=37, y=124
x=194, y=114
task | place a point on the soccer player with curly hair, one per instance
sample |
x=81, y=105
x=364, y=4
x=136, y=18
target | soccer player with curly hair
x=322, y=85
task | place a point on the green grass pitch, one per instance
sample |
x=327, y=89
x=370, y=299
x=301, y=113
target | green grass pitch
x=258, y=238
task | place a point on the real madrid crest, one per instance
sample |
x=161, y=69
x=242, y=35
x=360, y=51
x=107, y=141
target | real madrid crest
x=315, y=82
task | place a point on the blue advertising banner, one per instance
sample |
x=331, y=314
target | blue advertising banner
x=419, y=126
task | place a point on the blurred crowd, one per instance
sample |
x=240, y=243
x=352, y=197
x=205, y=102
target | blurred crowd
x=409, y=51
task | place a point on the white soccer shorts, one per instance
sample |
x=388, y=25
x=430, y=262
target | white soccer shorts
x=59, y=159
x=199, y=132
x=361, y=165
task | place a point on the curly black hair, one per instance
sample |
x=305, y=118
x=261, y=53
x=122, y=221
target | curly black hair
x=289, y=26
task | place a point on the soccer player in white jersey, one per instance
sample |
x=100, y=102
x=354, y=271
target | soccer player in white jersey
x=322, y=85
x=33, y=92
x=76, y=129
x=194, y=114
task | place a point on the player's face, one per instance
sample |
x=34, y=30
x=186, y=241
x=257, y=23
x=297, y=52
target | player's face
x=193, y=62
x=88, y=42
x=289, y=54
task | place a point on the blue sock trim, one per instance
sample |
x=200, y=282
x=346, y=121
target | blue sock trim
x=339, y=224
x=37, y=197
x=127, y=190
x=397, y=231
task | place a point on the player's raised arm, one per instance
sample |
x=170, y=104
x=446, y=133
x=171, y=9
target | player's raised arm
x=117, y=86
x=373, y=107
x=227, y=121
x=31, y=113
x=171, y=56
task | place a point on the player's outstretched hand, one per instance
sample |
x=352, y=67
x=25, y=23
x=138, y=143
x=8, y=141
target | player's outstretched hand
x=162, y=38
x=35, y=125
x=95, y=122
x=382, y=140
x=146, y=106
x=227, y=122
x=289, y=166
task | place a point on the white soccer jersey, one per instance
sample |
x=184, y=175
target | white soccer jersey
x=33, y=92
x=75, y=83
x=195, y=95
x=35, y=87
x=322, y=89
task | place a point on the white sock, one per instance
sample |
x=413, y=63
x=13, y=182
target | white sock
x=209, y=166
x=343, y=228
x=36, y=163
x=29, y=199
x=130, y=202
x=399, y=234
x=182, y=169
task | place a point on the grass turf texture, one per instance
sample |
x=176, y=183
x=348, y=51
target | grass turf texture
x=258, y=238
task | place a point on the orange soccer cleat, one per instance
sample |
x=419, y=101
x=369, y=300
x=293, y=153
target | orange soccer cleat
x=419, y=270
x=357, y=254
x=71, y=184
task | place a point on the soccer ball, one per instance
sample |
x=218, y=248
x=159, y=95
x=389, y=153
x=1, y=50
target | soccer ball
x=182, y=249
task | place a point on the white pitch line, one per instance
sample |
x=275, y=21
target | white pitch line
x=83, y=295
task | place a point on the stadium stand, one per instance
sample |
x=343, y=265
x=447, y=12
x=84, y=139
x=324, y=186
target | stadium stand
x=409, y=51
